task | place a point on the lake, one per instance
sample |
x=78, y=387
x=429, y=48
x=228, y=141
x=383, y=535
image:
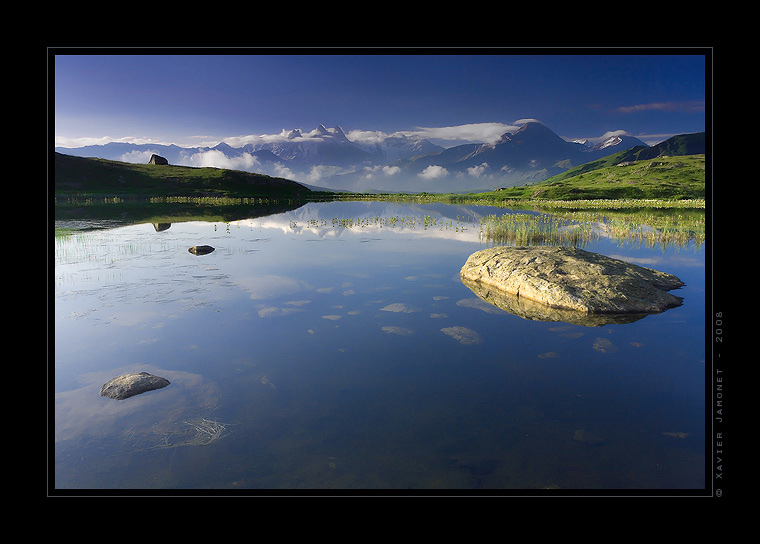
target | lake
x=334, y=347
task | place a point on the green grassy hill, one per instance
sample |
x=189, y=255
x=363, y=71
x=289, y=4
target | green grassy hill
x=673, y=169
x=679, y=177
x=91, y=177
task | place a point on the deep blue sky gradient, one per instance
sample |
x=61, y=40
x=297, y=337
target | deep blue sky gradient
x=186, y=99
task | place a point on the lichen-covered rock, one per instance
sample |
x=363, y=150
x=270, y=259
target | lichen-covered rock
x=129, y=385
x=573, y=279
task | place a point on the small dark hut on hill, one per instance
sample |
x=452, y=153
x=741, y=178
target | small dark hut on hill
x=156, y=159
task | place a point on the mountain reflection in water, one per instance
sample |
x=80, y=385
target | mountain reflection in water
x=361, y=365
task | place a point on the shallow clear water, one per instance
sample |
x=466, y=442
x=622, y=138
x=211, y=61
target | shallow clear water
x=328, y=355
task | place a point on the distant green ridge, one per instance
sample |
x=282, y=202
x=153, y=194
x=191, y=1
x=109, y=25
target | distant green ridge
x=680, y=145
x=672, y=178
x=92, y=177
x=673, y=169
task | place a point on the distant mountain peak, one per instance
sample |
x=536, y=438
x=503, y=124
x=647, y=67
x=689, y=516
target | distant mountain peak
x=528, y=153
x=533, y=128
x=529, y=125
x=614, y=140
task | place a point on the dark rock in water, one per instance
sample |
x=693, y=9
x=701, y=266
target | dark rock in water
x=200, y=250
x=129, y=385
x=573, y=279
x=157, y=159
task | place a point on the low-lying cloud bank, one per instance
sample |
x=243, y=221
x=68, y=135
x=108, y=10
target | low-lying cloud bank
x=473, y=132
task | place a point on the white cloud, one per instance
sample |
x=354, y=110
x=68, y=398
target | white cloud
x=319, y=172
x=477, y=171
x=282, y=171
x=366, y=137
x=473, y=132
x=689, y=106
x=612, y=133
x=488, y=133
x=599, y=139
x=521, y=122
x=216, y=159
x=433, y=172
x=137, y=157
x=388, y=170
x=63, y=141
x=295, y=135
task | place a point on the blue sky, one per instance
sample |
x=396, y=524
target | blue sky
x=195, y=100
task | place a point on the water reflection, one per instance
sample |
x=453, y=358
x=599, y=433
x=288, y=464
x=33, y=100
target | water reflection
x=535, y=311
x=348, y=354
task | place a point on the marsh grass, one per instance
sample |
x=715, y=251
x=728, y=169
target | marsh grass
x=578, y=227
x=196, y=200
x=425, y=222
x=522, y=229
x=498, y=199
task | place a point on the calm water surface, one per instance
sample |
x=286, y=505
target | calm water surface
x=308, y=352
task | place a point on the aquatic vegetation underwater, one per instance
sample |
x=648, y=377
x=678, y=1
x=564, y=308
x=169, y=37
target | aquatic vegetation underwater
x=202, y=432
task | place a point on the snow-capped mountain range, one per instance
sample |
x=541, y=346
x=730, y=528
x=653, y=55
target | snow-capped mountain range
x=328, y=158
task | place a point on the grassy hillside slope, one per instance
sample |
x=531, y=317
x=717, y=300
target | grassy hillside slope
x=680, y=177
x=88, y=177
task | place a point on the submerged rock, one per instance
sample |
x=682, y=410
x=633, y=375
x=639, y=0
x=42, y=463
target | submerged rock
x=573, y=279
x=200, y=250
x=401, y=331
x=400, y=307
x=463, y=335
x=129, y=385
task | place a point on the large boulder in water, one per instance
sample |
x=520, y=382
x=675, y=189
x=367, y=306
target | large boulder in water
x=573, y=279
x=129, y=385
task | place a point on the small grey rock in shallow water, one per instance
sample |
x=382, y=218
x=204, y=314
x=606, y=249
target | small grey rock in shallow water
x=200, y=250
x=129, y=385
